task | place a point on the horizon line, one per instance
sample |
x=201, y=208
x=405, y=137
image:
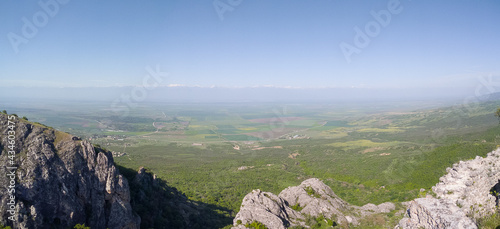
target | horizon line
x=242, y=87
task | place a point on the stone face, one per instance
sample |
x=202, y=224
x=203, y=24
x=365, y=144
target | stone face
x=63, y=181
x=369, y=209
x=435, y=214
x=311, y=198
x=386, y=207
x=464, y=193
x=266, y=208
x=319, y=201
x=468, y=184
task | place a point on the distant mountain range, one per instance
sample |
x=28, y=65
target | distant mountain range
x=227, y=94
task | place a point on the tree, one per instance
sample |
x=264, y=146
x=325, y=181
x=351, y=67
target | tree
x=497, y=114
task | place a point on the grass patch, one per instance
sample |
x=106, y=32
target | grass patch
x=256, y=225
x=489, y=222
x=310, y=191
x=61, y=136
x=337, y=123
x=382, y=130
x=362, y=143
x=297, y=207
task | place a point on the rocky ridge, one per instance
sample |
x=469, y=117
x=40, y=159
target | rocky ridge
x=467, y=192
x=61, y=181
x=312, y=198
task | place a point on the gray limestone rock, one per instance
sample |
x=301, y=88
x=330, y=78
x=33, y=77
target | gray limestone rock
x=469, y=184
x=436, y=214
x=61, y=182
x=315, y=198
x=266, y=208
x=312, y=198
x=465, y=193
x=369, y=209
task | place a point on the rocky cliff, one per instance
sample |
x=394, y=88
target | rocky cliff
x=295, y=205
x=468, y=191
x=57, y=181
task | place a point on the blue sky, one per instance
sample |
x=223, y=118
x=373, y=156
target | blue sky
x=281, y=43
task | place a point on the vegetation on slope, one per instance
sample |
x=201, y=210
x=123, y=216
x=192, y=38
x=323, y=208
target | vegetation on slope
x=366, y=158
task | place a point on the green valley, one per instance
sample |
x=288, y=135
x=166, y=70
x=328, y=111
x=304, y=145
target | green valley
x=217, y=153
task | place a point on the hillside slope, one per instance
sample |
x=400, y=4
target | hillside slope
x=465, y=195
x=57, y=181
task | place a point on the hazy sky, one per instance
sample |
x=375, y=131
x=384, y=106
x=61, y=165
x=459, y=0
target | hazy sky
x=244, y=43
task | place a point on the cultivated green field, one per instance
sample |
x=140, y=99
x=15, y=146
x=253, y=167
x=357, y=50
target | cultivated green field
x=217, y=153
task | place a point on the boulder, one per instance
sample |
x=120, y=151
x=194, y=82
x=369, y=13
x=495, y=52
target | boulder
x=312, y=198
x=266, y=208
x=432, y=213
x=315, y=198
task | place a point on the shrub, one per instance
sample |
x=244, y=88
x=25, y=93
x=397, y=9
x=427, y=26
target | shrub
x=319, y=222
x=297, y=207
x=310, y=191
x=80, y=226
x=256, y=225
x=489, y=222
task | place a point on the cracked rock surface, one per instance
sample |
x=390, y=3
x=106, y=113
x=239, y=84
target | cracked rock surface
x=62, y=181
x=291, y=207
x=465, y=193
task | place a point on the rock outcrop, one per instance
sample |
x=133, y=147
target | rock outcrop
x=60, y=181
x=369, y=209
x=435, y=213
x=312, y=198
x=315, y=198
x=468, y=191
x=470, y=184
x=266, y=208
